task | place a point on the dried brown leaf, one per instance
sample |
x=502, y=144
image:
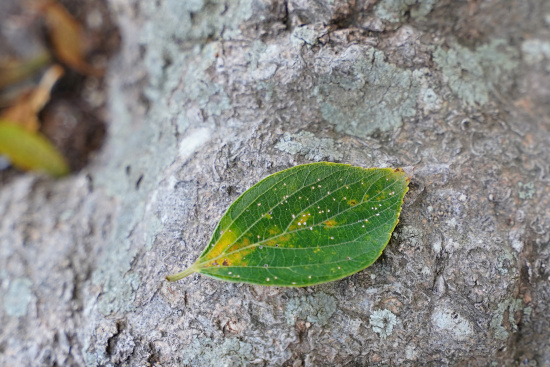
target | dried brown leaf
x=70, y=42
x=26, y=108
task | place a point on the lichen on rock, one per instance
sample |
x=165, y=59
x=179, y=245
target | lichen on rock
x=306, y=143
x=474, y=74
x=383, y=322
x=316, y=308
x=360, y=93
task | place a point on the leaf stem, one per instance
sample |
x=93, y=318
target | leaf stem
x=190, y=270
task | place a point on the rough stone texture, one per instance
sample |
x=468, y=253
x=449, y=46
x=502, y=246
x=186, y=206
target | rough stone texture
x=207, y=98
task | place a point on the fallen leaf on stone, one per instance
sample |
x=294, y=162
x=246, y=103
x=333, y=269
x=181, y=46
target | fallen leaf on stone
x=69, y=41
x=306, y=225
x=25, y=109
x=13, y=71
x=30, y=150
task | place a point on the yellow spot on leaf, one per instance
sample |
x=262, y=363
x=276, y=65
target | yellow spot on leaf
x=233, y=256
x=274, y=231
x=245, y=242
x=225, y=240
x=330, y=223
x=236, y=259
x=284, y=238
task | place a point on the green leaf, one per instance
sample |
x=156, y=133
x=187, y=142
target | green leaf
x=30, y=151
x=12, y=72
x=306, y=225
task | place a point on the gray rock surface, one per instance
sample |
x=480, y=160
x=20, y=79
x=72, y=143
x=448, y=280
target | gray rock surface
x=209, y=96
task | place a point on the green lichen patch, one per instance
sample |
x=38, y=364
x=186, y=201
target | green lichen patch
x=230, y=352
x=308, y=34
x=505, y=315
x=17, y=298
x=316, y=308
x=360, y=93
x=526, y=190
x=473, y=74
x=396, y=10
x=116, y=296
x=306, y=143
x=536, y=51
x=445, y=319
x=412, y=236
x=383, y=322
x=199, y=19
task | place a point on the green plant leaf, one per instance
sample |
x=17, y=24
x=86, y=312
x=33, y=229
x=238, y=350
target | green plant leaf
x=306, y=225
x=30, y=150
x=12, y=71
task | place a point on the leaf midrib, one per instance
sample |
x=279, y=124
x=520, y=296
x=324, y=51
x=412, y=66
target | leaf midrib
x=302, y=248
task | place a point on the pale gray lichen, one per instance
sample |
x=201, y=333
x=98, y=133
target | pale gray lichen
x=515, y=236
x=526, y=190
x=117, y=295
x=431, y=100
x=315, y=149
x=208, y=95
x=361, y=93
x=396, y=10
x=230, y=352
x=536, y=51
x=472, y=75
x=510, y=307
x=308, y=34
x=199, y=19
x=17, y=298
x=445, y=319
x=253, y=56
x=527, y=314
x=111, y=344
x=505, y=260
x=263, y=62
x=410, y=352
x=413, y=236
x=204, y=95
x=172, y=20
x=383, y=322
x=316, y=308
